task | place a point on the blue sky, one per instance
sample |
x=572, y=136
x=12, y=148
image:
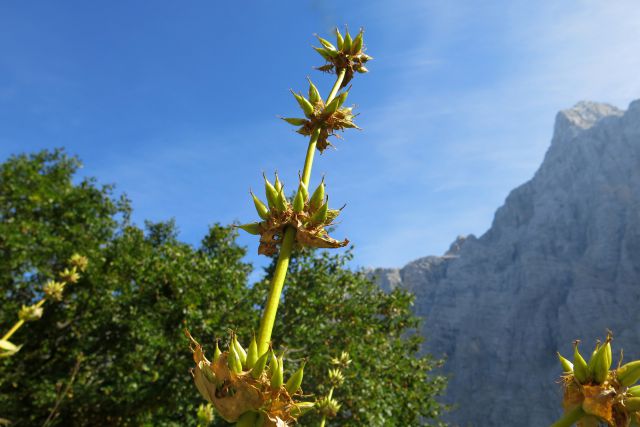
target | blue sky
x=177, y=103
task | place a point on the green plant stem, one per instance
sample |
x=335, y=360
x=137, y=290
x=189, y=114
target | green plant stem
x=63, y=394
x=570, y=418
x=324, y=416
x=275, y=290
x=336, y=85
x=19, y=323
x=311, y=149
x=277, y=281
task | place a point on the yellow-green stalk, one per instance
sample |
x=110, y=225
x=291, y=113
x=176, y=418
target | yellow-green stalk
x=282, y=264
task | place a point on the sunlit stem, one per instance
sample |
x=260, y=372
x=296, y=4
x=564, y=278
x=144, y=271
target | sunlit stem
x=19, y=323
x=570, y=418
x=311, y=150
x=324, y=416
x=277, y=281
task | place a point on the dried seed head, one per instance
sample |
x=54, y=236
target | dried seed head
x=329, y=119
x=53, y=290
x=336, y=377
x=235, y=392
x=69, y=275
x=308, y=216
x=79, y=261
x=349, y=55
x=343, y=360
x=205, y=414
x=602, y=394
x=30, y=313
x=328, y=406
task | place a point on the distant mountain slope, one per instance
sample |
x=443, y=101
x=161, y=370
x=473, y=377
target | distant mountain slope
x=561, y=261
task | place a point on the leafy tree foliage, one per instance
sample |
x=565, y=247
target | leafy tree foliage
x=126, y=316
x=120, y=329
x=329, y=309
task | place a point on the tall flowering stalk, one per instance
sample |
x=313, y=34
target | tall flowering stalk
x=52, y=290
x=247, y=386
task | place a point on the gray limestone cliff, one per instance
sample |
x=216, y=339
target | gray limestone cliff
x=561, y=261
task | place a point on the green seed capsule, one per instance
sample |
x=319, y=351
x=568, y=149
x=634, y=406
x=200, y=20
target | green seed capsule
x=270, y=192
x=628, y=374
x=294, y=121
x=346, y=46
x=593, y=355
x=594, y=360
x=277, y=183
x=571, y=417
x=362, y=70
x=282, y=203
x=339, y=39
x=342, y=98
x=302, y=187
x=306, y=106
x=294, y=383
x=248, y=419
x=314, y=94
x=251, y=228
x=301, y=408
x=580, y=368
x=242, y=354
x=602, y=364
x=261, y=208
x=357, y=43
x=216, y=353
x=233, y=361
x=634, y=391
x=252, y=353
x=208, y=373
x=567, y=366
x=278, y=376
x=317, y=197
x=323, y=52
x=327, y=45
x=332, y=53
x=259, y=366
x=332, y=107
x=273, y=364
x=298, y=202
x=632, y=404
x=321, y=214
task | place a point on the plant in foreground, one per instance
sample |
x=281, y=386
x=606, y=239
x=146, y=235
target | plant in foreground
x=327, y=405
x=594, y=393
x=52, y=290
x=247, y=386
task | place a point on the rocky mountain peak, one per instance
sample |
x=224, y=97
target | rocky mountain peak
x=581, y=116
x=560, y=262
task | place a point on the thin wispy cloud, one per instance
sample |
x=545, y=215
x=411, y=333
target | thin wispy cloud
x=469, y=145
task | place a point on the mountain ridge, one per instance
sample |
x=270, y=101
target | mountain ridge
x=558, y=263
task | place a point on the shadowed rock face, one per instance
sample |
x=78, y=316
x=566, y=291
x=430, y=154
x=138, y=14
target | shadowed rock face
x=561, y=261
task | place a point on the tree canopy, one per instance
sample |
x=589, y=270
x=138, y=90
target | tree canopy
x=113, y=351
